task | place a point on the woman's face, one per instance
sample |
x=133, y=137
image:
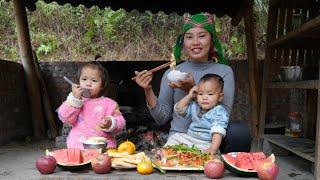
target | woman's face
x=197, y=44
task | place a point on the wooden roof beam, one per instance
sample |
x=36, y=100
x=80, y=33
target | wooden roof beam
x=293, y=3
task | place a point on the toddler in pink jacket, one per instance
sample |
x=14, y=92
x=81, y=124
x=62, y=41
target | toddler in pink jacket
x=91, y=116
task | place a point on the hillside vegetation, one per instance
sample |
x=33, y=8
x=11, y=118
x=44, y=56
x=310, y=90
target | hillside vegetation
x=67, y=33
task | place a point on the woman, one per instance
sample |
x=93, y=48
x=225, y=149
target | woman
x=200, y=43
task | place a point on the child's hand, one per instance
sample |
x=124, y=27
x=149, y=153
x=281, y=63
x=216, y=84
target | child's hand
x=193, y=92
x=210, y=151
x=76, y=91
x=106, y=123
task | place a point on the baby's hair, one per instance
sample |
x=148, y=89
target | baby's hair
x=99, y=67
x=215, y=77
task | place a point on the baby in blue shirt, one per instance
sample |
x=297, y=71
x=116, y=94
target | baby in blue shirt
x=209, y=117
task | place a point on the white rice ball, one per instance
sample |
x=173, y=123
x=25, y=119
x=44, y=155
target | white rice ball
x=176, y=75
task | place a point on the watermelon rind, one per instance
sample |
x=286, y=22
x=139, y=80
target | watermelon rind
x=238, y=171
x=72, y=167
x=77, y=167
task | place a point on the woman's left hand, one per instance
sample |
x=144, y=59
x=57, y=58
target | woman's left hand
x=185, y=85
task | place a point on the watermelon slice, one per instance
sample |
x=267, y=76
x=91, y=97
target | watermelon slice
x=74, y=159
x=59, y=155
x=245, y=164
x=244, y=161
x=74, y=156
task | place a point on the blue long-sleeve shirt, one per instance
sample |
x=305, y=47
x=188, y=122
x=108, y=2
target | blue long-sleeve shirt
x=204, y=125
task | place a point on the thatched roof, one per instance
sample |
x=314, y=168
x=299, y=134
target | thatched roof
x=231, y=8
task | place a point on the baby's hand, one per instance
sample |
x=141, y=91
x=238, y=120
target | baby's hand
x=76, y=91
x=106, y=123
x=210, y=151
x=193, y=92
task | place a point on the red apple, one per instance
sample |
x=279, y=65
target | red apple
x=214, y=169
x=46, y=164
x=268, y=171
x=101, y=164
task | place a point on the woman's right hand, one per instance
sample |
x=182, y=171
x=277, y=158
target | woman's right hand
x=76, y=91
x=143, y=79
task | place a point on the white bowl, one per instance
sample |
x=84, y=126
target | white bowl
x=96, y=143
x=291, y=73
x=176, y=75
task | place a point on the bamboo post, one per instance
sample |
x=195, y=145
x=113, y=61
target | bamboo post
x=29, y=70
x=253, y=68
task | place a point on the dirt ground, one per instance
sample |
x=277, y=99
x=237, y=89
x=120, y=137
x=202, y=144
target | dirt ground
x=17, y=161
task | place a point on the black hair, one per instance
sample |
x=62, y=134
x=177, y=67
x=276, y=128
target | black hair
x=217, y=78
x=99, y=67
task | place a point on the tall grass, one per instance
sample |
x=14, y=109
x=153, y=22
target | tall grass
x=67, y=33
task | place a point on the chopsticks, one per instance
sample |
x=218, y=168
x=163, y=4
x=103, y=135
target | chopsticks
x=158, y=68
